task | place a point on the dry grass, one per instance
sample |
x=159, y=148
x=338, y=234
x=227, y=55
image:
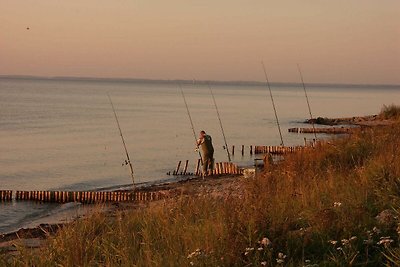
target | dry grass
x=390, y=112
x=315, y=207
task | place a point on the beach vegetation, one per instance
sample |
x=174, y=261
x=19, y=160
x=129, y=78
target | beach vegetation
x=390, y=112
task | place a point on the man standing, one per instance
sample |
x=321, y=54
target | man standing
x=205, y=141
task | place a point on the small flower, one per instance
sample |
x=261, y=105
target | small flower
x=260, y=248
x=339, y=248
x=337, y=204
x=191, y=263
x=333, y=242
x=376, y=230
x=263, y=263
x=307, y=261
x=385, y=241
x=345, y=242
x=281, y=255
x=195, y=253
x=281, y=258
x=248, y=250
x=265, y=242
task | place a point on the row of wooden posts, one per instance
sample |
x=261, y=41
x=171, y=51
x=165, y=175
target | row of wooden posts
x=330, y=130
x=226, y=168
x=219, y=168
x=278, y=150
x=87, y=197
x=6, y=195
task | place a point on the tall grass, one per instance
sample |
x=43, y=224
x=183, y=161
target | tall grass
x=315, y=208
x=390, y=112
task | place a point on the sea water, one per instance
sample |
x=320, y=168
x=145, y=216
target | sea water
x=60, y=134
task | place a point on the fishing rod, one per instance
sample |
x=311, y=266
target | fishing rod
x=128, y=161
x=308, y=102
x=191, y=121
x=220, y=123
x=273, y=103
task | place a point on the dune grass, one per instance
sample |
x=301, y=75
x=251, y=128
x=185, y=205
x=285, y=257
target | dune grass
x=390, y=112
x=315, y=208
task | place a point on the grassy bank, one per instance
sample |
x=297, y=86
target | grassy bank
x=315, y=208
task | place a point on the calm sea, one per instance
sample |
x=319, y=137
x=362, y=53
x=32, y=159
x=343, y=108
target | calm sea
x=62, y=135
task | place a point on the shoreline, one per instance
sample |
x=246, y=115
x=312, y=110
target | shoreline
x=34, y=237
x=361, y=121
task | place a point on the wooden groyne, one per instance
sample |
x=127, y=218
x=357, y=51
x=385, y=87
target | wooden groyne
x=275, y=150
x=6, y=195
x=331, y=130
x=86, y=197
x=220, y=168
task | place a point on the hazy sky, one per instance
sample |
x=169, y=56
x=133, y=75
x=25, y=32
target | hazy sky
x=345, y=41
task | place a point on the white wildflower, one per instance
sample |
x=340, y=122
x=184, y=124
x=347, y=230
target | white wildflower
x=345, y=242
x=353, y=238
x=248, y=250
x=337, y=204
x=265, y=242
x=260, y=248
x=385, y=241
x=195, y=253
x=333, y=242
x=264, y=263
x=281, y=258
x=376, y=230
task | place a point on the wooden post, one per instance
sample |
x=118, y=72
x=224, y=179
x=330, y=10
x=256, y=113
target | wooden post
x=251, y=150
x=177, y=168
x=242, y=150
x=197, y=169
x=233, y=150
x=185, y=167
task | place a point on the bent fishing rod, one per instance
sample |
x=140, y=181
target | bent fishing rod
x=128, y=161
x=273, y=103
x=220, y=123
x=191, y=121
x=308, y=102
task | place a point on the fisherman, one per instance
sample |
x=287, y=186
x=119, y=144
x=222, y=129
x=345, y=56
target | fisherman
x=205, y=141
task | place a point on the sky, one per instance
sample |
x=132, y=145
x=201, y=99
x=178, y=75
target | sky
x=341, y=41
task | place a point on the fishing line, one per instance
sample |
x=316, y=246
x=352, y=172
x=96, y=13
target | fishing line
x=128, y=161
x=191, y=121
x=308, y=102
x=273, y=103
x=220, y=122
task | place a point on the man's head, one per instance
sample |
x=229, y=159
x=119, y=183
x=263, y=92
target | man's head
x=202, y=133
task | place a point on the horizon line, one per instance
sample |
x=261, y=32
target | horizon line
x=185, y=81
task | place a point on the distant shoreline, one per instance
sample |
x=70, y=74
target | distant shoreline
x=181, y=81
